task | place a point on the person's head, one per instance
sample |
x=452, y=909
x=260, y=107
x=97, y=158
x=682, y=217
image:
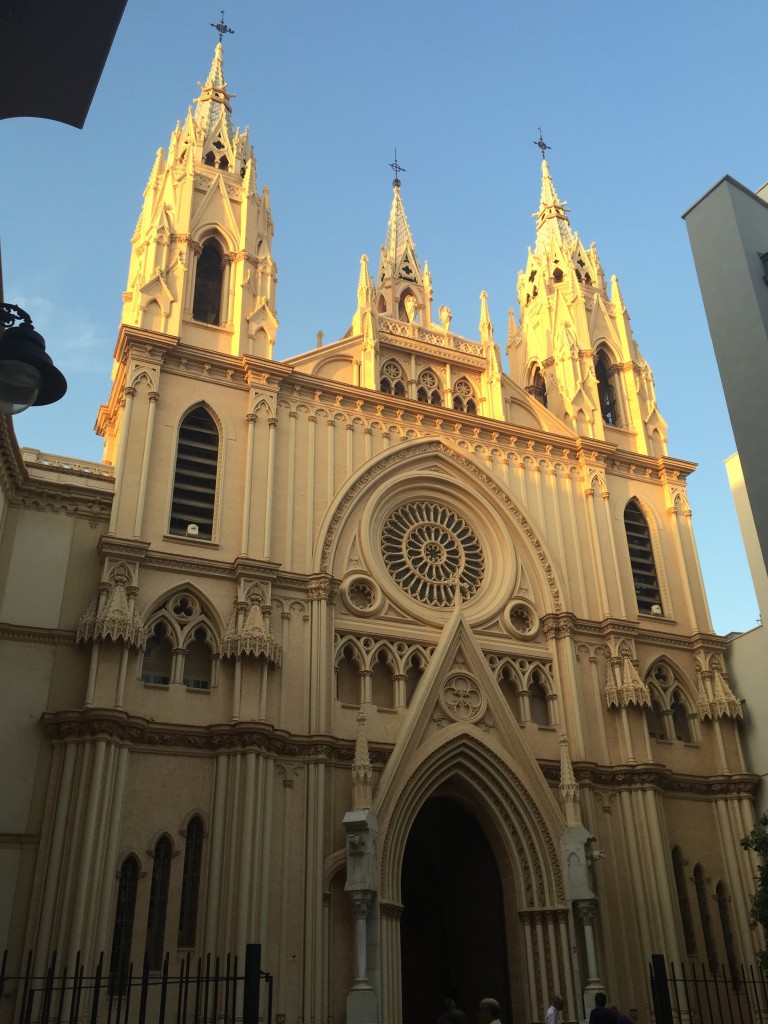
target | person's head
x=487, y=1010
x=449, y=1004
x=558, y=1002
x=600, y=999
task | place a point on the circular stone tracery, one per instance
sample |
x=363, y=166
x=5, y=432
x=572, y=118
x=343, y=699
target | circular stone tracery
x=429, y=550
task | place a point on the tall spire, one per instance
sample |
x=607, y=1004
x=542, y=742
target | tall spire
x=213, y=101
x=398, y=254
x=552, y=216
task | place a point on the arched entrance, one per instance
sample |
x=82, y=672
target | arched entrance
x=452, y=930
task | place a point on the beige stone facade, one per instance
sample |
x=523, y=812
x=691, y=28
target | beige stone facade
x=369, y=654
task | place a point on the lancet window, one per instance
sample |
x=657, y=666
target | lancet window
x=527, y=688
x=605, y=391
x=157, y=662
x=392, y=380
x=190, y=885
x=464, y=397
x=158, y=902
x=702, y=898
x=209, y=280
x=195, y=475
x=428, y=389
x=722, y=899
x=122, y=933
x=642, y=560
x=683, y=902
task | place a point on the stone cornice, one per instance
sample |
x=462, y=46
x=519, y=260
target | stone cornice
x=90, y=499
x=36, y=634
x=652, y=776
x=142, y=733
x=138, y=732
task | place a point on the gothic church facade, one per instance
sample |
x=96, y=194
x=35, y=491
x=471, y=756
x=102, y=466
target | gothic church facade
x=387, y=658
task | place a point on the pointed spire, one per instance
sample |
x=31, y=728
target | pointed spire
x=214, y=98
x=362, y=773
x=364, y=285
x=485, y=326
x=569, y=787
x=398, y=254
x=552, y=216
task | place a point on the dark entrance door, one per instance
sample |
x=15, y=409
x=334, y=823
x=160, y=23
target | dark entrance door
x=452, y=932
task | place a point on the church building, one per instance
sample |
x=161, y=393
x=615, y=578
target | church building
x=393, y=656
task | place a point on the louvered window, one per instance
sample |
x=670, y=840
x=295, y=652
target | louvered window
x=194, y=482
x=641, y=559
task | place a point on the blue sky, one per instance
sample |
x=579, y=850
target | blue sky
x=645, y=107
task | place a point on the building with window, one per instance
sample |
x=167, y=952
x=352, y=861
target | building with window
x=384, y=656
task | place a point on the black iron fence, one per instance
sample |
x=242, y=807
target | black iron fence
x=206, y=990
x=700, y=995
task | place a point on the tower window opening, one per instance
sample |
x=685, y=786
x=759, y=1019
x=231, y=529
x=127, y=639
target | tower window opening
x=209, y=278
x=224, y=164
x=680, y=723
x=194, y=483
x=641, y=558
x=538, y=387
x=391, y=382
x=605, y=393
x=578, y=274
x=587, y=278
x=210, y=159
x=557, y=276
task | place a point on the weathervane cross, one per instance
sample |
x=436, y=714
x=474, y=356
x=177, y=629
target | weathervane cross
x=396, y=168
x=541, y=144
x=221, y=27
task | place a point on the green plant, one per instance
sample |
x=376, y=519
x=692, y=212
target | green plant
x=757, y=840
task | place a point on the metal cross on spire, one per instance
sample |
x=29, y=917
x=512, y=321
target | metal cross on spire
x=396, y=168
x=221, y=27
x=541, y=144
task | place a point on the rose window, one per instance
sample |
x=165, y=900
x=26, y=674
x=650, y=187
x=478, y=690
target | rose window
x=430, y=551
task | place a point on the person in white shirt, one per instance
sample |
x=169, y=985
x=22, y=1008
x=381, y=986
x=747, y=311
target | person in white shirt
x=552, y=1015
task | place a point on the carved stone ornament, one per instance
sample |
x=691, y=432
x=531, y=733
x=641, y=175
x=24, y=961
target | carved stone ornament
x=521, y=620
x=461, y=699
x=247, y=634
x=430, y=552
x=111, y=615
x=361, y=595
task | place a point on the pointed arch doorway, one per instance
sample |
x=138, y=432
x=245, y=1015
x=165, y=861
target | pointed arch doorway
x=452, y=930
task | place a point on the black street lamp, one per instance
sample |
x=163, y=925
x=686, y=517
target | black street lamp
x=27, y=374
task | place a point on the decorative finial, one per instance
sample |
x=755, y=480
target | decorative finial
x=541, y=144
x=396, y=168
x=221, y=27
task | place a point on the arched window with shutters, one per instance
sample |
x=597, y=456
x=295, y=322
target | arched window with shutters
x=641, y=559
x=195, y=476
x=190, y=884
x=209, y=281
x=122, y=932
x=158, y=902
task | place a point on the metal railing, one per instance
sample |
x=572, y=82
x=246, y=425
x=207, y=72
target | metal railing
x=208, y=990
x=700, y=995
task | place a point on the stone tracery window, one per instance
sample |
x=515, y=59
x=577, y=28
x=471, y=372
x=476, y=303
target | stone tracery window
x=428, y=390
x=429, y=551
x=464, y=397
x=392, y=382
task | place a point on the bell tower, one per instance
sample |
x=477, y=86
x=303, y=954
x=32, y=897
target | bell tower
x=574, y=350
x=201, y=256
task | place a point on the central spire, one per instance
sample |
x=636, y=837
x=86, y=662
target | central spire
x=213, y=102
x=552, y=216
